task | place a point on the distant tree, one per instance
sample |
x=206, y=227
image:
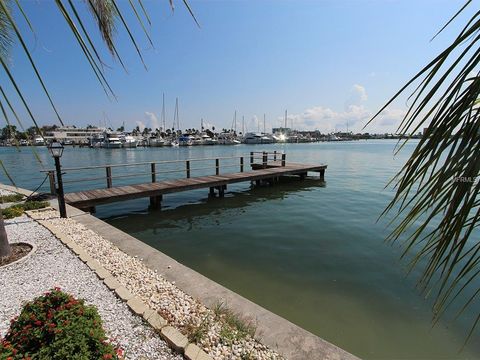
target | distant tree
x=32, y=131
x=9, y=132
x=121, y=129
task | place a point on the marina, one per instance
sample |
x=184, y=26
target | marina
x=296, y=248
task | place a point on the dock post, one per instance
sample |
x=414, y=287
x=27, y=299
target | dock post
x=322, y=174
x=275, y=155
x=109, y=176
x=212, y=192
x=284, y=156
x=241, y=164
x=154, y=175
x=187, y=164
x=251, y=157
x=51, y=177
x=156, y=201
x=217, y=167
x=265, y=159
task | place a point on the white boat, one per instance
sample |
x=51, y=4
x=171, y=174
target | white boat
x=111, y=141
x=227, y=139
x=185, y=140
x=157, y=142
x=23, y=142
x=257, y=138
x=280, y=137
x=197, y=140
x=38, y=140
x=207, y=140
x=129, y=141
x=174, y=143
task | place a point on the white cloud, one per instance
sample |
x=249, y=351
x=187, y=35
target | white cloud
x=328, y=120
x=358, y=95
x=154, y=124
x=354, y=116
x=391, y=117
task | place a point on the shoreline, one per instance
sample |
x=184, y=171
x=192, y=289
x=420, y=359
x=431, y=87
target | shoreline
x=274, y=331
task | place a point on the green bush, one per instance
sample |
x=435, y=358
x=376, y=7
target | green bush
x=10, y=198
x=11, y=212
x=19, y=209
x=57, y=326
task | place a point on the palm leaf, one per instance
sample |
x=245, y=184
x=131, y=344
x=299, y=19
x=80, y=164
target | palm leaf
x=437, y=183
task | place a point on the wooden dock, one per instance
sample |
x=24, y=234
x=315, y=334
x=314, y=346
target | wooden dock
x=265, y=167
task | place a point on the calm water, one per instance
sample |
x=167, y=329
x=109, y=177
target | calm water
x=314, y=255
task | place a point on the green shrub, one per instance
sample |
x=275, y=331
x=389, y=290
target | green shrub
x=34, y=205
x=19, y=209
x=10, y=198
x=11, y=212
x=57, y=326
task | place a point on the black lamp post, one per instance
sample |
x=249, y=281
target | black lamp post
x=56, y=149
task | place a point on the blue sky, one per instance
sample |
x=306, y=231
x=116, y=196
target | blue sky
x=328, y=62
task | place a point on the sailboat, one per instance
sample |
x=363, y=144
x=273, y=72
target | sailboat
x=159, y=140
x=228, y=138
x=282, y=135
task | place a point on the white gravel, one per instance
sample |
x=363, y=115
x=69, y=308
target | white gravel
x=54, y=265
x=180, y=309
x=4, y=192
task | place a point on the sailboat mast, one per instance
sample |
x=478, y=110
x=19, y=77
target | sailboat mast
x=235, y=122
x=285, y=120
x=163, y=112
x=176, y=110
x=243, y=125
x=175, y=117
x=264, y=130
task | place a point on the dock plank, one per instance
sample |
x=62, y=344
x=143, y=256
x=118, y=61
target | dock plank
x=94, y=197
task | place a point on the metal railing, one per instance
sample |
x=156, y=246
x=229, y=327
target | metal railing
x=263, y=159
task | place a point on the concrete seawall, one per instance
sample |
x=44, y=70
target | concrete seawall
x=286, y=338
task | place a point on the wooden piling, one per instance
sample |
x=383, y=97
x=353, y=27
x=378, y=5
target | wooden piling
x=51, y=178
x=109, y=176
x=154, y=174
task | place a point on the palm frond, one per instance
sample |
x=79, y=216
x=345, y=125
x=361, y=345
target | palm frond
x=439, y=184
x=106, y=16
x=6, y=33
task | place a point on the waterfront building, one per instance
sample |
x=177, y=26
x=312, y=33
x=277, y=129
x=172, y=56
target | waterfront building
x=74, y=135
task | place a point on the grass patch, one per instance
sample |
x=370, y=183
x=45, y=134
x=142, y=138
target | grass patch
x=197, y=332
x=18, y=209
x=235, y=327
x=10, y=198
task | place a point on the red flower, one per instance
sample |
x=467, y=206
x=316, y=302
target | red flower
x=107, y=356
x=38, y=323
